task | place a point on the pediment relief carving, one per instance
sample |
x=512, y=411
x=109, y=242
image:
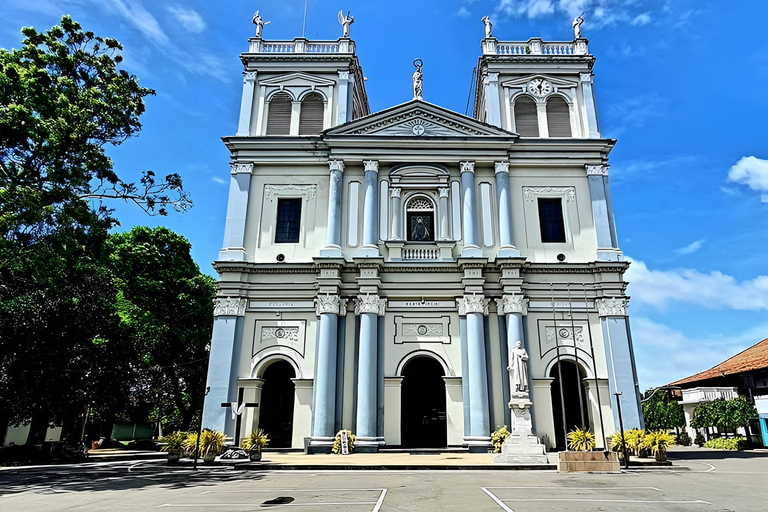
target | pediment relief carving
x=523, y=80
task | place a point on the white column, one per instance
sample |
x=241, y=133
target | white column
x=369, y=308
x=507, y=249
x=394, y=231
x=371, y=208
x=237, y=211
x=341, y=99
x=589, y=105
x=468, y=210
x=607, y=246
x=221, y=385
x=445, y=229
x=492, y=107
x=246, y=104
x=474, y=307
x=333, y=232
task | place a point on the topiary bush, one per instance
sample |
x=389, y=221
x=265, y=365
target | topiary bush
x=684, y=439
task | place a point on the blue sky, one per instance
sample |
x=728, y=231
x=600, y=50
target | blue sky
x=681, y=84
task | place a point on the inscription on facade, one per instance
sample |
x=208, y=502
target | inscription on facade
x=269, y=334
x=422, y=330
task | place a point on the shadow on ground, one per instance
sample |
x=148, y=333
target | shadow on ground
x=135, y=475
x=710, y=454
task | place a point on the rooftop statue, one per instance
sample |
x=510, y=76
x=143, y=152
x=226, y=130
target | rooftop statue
x=577, y=26
x=488, y=26
x=346, y=21
x=259, y=22
x=418, y=78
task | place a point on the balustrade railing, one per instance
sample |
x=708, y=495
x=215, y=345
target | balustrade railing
x=301, y=45
x=708, y=394
x=421, y=253
x=534, y=46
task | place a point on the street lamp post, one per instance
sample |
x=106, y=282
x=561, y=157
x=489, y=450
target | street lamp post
x=621, y=426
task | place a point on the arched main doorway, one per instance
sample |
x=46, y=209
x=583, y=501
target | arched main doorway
x=574, y=397
x=423, y=423
x=276, y=405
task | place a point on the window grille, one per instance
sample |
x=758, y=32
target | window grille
x=526, y=117
x=558, y=117
x=279, y=117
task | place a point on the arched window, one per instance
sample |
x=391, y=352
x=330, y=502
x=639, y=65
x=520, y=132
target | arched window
x=279, y=117
x=526, y=118
x=420, y=219
x=311, y=117
x=558, y=117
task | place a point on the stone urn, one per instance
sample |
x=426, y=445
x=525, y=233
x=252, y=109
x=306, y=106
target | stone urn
x=255, y=454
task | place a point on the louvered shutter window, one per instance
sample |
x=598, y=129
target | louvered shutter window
x=558, y=117
x=279, y=118
x=311, y=118
x=526, y=118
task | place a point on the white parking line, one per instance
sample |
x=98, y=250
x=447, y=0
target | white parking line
x=609, y=501
x=377, y=504
x=497, y=500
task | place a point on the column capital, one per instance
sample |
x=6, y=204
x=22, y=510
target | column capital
x=371, y=165
x=395, y=192
x=332, y=304
x=336, y=165
x=241, y=167
x=467, y=166
x=597, y=170
x=472, y=304
x=229, y=306
x=443, y=192
x=501, y=167
x=612, y=306
x=512, y=304
x=585, y=77
x=490, y=77
x=344, y=75
x=370, y=304
x=249, y=76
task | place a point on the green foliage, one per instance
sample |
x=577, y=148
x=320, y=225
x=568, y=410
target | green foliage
x=658, y=441
x=661, y=411
x=351, y=440
x=726, y=415
x=699, y=439
x=62, y=100
x=684, y=439
x=175, y=441
x=256, y=440
x=582, y=440
x=723, y=443
x=633, y=439
x=498, y=437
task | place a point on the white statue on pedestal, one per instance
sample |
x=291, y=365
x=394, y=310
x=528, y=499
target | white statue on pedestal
x=418, y=78
x=345, y=21
x=259, y=22
x=518, y=368
x=577, y=22
x=488, y=26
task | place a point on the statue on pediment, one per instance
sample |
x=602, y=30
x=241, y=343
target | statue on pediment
x=259, y=22
x=418, y=80
x=488, y=26
x=345, y=21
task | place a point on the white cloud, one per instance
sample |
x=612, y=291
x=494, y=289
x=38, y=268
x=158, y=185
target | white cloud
x=752, y=172
x=531, y=8
x=714, y=290
x=690, y=248
x=218, y=180
x=642, y=19
x=189, y=18
x=462, y=12
x=135, y=14
x=664, y=354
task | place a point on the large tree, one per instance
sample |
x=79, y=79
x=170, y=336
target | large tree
x=661, y=411
x=164, y=304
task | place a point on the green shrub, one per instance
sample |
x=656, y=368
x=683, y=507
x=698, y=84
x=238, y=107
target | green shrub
x=174, y=442
x=581, y=440
x=498, y=438
x=699, y=439
x=722, y=443
x=684, y=439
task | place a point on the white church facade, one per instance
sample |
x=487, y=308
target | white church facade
x=379, y=268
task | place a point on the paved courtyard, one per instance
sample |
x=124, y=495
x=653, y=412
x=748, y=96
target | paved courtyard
x=704, y=480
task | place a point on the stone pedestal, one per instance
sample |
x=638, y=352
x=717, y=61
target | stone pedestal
x=521, y=447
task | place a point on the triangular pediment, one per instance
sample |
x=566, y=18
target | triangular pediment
x=418, y=118
x=559, y=82
x=297, y=79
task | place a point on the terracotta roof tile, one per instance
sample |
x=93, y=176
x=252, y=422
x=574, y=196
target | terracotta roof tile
x=752, y=358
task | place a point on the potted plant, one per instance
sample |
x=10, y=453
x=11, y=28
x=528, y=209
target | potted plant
x=254, y=443
x=351, y=439
x=498, y=437
x=581, y=440
x=658, y=442
x=174, y=445
x=211, y=444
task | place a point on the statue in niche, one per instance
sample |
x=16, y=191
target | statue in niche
x=518, y=368
x=420, y=228
x=418, y=79
x=259, y=22
x=488, y=26
x=345, y=21
x=577, y=22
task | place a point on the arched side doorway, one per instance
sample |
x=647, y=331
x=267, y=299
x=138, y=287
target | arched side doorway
x=423, y=418
x=276, y=405
x=574, y=398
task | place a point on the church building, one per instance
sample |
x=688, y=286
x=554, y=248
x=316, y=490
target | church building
x=379, y=269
